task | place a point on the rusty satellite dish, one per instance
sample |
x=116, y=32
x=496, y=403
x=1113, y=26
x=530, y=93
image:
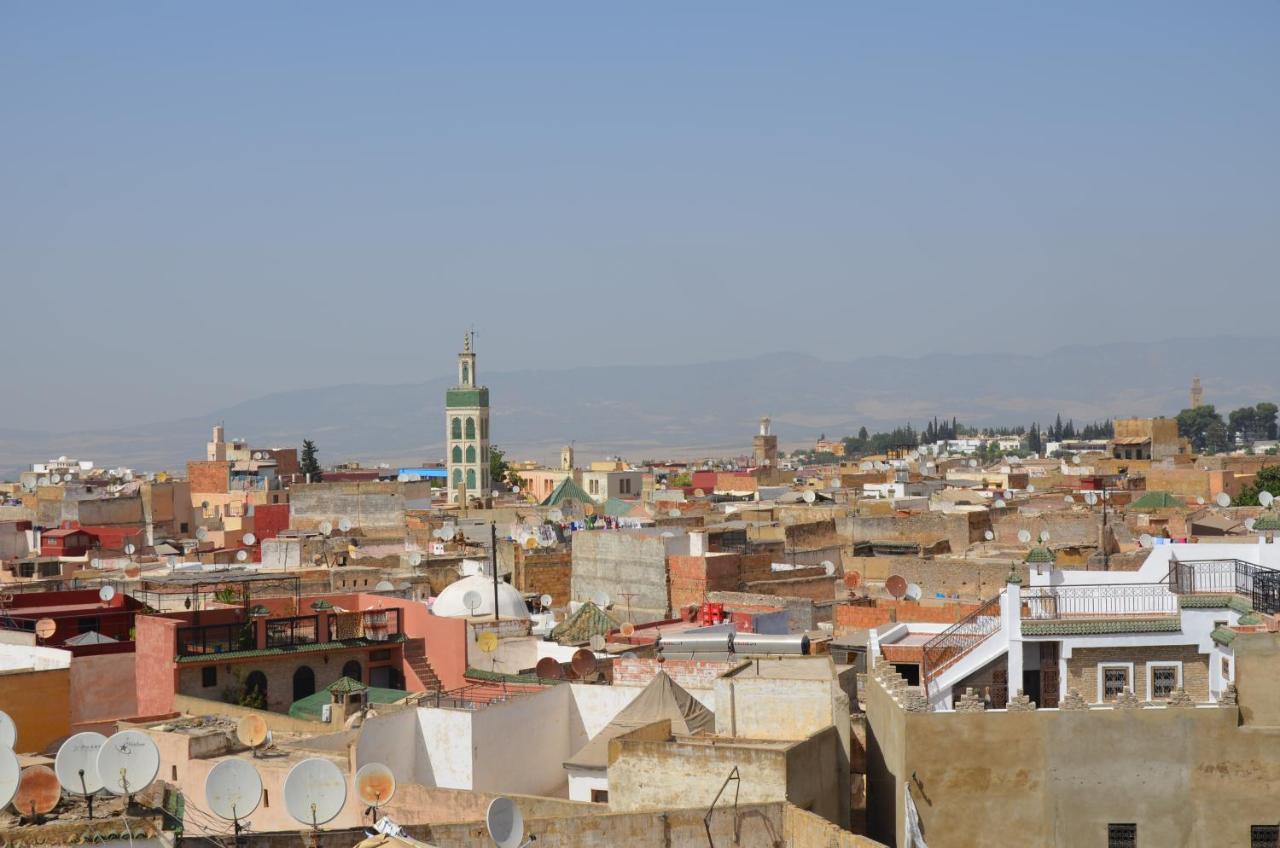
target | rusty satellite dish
x=46, y=627
x=549, y=669
x=896, y=585
x=375, y=784
x=38, y=791
x=853, y=579
x=627, y=629
x=583, y=662
x=251, y=731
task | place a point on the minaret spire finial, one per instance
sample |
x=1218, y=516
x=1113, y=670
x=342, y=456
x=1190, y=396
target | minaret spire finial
x=466, y=342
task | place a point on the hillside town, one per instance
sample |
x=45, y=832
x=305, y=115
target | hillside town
x=937, y=636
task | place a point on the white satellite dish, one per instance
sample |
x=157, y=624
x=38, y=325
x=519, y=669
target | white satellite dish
x=77, y=763
x=1223, y=499
x=326, y=527
x=95, y=563
x=415, y=559
x=130, y=549
x=202, y=533
x=128, y=762
x=106, y=593
x=1068, y=499
x=242, y=555
x=1266, y=498
x=384, y=586
x=1248, y=524
x=8, y=730
x=1006, y=494
x=1076, y=459
x=56, y=479
x=10, y=776
x=545, y=601
x=809, y=497
x=1044, y=535
x=1145, y=540
x=315, y=792
x=914, y=592
x=1000, y=504
x=375, y=785
x=515, y=490
x=1024, y=536
x=43, y=481
x=233, y=789
x=555, y=515
x=829, y=567
x=249, y=539
x=988, y=535
x=1090, y=498
x=449, y=530
x=344, y=524
x=1200, y=500
x=1031, y=487
x=496, y=493
x=973, y=463
x=674, y=513
x=505, y=823
x=471, y=600
x=402, y=478
x=596, y=642
x=600, y=599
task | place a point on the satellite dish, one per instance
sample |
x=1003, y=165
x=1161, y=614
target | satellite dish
x=1000, y=504
x=545, y=601
x=834, y=483
x=853, y=579
x=471, y=600
x=583, y=662
x=402, y=478
x=973, y=463
x=249, y=539
x=106, y=593
x=1068, y=499
x=46, y=627
x=1145, y=540
x=128, y=762
x=134, y=571
x=596, y=642
x=38, y=791
x=1200, y=501
x=130, y=549
x=252, y=731
x=77, y=763
x=515, y=490
x=56, y=479
x=1223, y=499
x=1248, y=524
x=1031, y=487
x=10, y=776
x=384, y=586
x=600, y=599
x=674, y=513
x=829, y=567
x=375, y=784
x=548, y=668
x=530, y=542
x=202, y=533
x=487, y=642
x=315, y=792
x=896, y=585
x=95, y=563
x=988, y=535
x=1076, y=459
x=233, y=789
x=1044, y=535
x=326, y=527
x=1266, y=498
x=242, y=555
x=8, y=731
x=344, y=524
x=1090, y=498
x=627, y=629
x=1006, y=494
x=495, y=493
x=1024, y=536
x=809, y=497
x=505, y=823
x=415, y=559
x=555, y=515
x=914, y=592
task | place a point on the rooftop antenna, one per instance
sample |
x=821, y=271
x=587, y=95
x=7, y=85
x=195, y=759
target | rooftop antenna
x=253, y=733
x=128, y=763
x=76, y=766
x=315, y=792
x=505, y=823
x=10, y=775
x=375, y=786
x=232, y=791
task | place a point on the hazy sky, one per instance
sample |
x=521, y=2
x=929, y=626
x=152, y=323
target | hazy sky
x=201, y=203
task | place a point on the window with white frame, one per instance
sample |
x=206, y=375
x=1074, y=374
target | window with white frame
x=1163, y=679
x=1114, y=679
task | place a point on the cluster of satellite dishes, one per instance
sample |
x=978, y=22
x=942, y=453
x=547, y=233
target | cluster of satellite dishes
x=446, y=532
x=898, y=587
x=1024, y=536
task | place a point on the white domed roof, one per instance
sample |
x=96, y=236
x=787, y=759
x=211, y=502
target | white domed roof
x=510, y=603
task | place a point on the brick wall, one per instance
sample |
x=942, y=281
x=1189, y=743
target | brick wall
x=545, y=575
x=208, y=477
x=849, y=617
x=691, y=577
x=691, y=674
x=970, y=579
x=816, y=588
x=1082, y=668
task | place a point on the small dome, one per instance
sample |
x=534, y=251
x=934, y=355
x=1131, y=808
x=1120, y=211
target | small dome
x=1040, y=554
x=450, y=603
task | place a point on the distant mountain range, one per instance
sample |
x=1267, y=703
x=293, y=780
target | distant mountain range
x=644, y=411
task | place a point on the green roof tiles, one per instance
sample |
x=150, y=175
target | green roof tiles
x=588, y=621
x=567, y=491
x=1040, y=554
x=1267, y=522
x=464, y=398
x=1157, y=500
x=1223, y=636
x=1091, y=627
x=309, y=648
x=1204, y=601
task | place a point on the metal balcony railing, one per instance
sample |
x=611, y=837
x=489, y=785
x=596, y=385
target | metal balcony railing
x=940, y=652
x=1255, y=583
x=1143, y=600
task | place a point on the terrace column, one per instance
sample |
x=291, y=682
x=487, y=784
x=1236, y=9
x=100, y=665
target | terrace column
x=1011, y=622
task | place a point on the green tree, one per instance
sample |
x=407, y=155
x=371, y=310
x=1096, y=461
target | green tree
x=309, y=464
x=1204, y=427
x=500, y=471
x=1266, y=480
x=680, y=481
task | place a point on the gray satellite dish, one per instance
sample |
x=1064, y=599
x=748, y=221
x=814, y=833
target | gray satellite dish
x=505, y=823
x=1266, y=498
x=106, y=593
x=1031, y=487
x=829, y=567
x=77, y=764
x=1248, y=524
x=128, y=762
x=1075, y=458
x=1200, y=501
x=249, y=539
x=202, y=533
x=1068, y=499
x=988, y=535
x=1024, y=536
x=415, y=559
x=914, y=592
x=555, y=515
x=1145, y=540
x=973, y=463
x=8, y=730
x=95, y=563
x=596, y=642
x=809, y=497
x=130, y=549
x=10, y=776
x=1000, y=504
x=315, y=792
x=344, y=524
x=1223, y=499
x=1044, y=535
x=545, y=601
x=600, y=599
x=242, y=555
x=471, y=600
x=233, y=789
x=384, y=586
x=56, y=479
x=326, y=527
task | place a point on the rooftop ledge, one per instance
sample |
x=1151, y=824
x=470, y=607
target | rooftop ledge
x=289, y=650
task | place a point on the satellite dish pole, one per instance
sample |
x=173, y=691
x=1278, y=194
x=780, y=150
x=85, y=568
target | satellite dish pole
x=493, y=560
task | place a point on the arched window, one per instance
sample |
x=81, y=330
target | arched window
x=457, y=454
x=471, y=479
x=457, y=478
x=466, y=375
x=471, y=428
x=304, y=682
x=457, y=428
x=471, y=453
x=353, y=670
x=255, y=688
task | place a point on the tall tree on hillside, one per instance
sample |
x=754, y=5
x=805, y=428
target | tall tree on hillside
x=1266, y=480
x=1252, y=423
x=309, y=464
x=1204, y=427
x=1034, y=443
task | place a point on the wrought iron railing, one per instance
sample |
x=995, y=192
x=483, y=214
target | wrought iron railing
x=1103, y=600
x=959, y=639
x=1257, y=584
x=287, y=632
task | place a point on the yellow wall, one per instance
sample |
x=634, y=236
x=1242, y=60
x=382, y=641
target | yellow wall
x=39, y=702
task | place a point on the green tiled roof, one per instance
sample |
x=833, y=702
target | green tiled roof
x=1157, y=500
x=310, y=707
x=1040, y=554
x=1093, y=627
x=1239, y=604
x=498, y=676
x=1267, y=522
x=466, y=397
x=310, y=648
x=1250, y=618
x=588, y=621
x=1223, y=636
x=567, y=491
x=1204, y=601
x=617, y=507
x=346, y=684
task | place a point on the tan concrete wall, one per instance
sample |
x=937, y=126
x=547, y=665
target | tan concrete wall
x=969, y=578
